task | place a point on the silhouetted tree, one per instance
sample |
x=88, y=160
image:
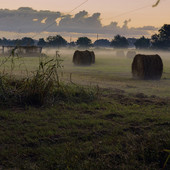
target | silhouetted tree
x=84, y=42
x=119, y=42
x=26, y=41
x=161, y=40
x=131, y=41
x=4, y=41
x=41, y=42
x=57, y=40
x=72, y=44
x=102, y=43
x=142, y=43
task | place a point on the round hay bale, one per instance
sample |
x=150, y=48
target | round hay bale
x=83, y=57
x=131, y=54
x=147, y=67
x=120, y=53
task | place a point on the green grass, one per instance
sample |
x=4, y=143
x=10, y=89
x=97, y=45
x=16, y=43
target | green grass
x=109, y=71
x=107, y=133
x=124, y=124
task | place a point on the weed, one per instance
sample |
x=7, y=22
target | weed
x=168, y=151
x=42, y=87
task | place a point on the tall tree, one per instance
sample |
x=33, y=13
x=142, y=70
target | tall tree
x=102, y=43
x=84, y=42
x=42, y=42
x=119, y=42
x=142, y=43
x=57, y=40
x=162, y=39
x=26, y=41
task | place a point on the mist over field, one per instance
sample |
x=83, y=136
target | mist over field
x=109, y=71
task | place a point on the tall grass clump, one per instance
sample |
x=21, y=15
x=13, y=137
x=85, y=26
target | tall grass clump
x=42, y=86
x=38, y=89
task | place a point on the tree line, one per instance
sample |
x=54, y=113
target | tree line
x=157, y=41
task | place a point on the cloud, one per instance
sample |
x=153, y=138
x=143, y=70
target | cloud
x=148, y=28
x=27, y=20
x=80, y=23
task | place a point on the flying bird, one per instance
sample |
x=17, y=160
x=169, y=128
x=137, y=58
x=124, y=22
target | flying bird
x=156, y=3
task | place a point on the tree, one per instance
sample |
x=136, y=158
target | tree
x=57, y=40
x=4, y=41
x=72, y=44
x=142, y=43
x=131, y=41
x=42, y=42
x=26, y=41
x=119, y=42
x=84, y=42
x=102, y=43
x=162, y=39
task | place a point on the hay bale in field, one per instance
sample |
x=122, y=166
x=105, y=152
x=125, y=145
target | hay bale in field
x=120, y=53
x=147, y=67
x=131, y=54
x=83, y=57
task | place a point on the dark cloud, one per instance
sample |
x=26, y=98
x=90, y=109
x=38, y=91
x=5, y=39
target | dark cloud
x=27, y=20
x=80, y=23
x=148, y=28
x=23, y=19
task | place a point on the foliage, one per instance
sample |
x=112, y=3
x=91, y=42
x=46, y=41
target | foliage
x=162, y=40
x=83, y=42
x=72, y=44
x=57, y=41
x=42, y=42
x=119, y=42
x=142, y=43
x=102, y=43
x=25, y=41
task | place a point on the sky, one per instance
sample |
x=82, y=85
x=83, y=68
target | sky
x=130, y=18
x=140, y=12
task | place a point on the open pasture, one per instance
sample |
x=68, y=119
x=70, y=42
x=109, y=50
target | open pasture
x=109, y=71
x=119, y=129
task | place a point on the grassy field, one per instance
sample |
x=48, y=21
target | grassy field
x=126, y=126
x=112, y=132
x=109, y=71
